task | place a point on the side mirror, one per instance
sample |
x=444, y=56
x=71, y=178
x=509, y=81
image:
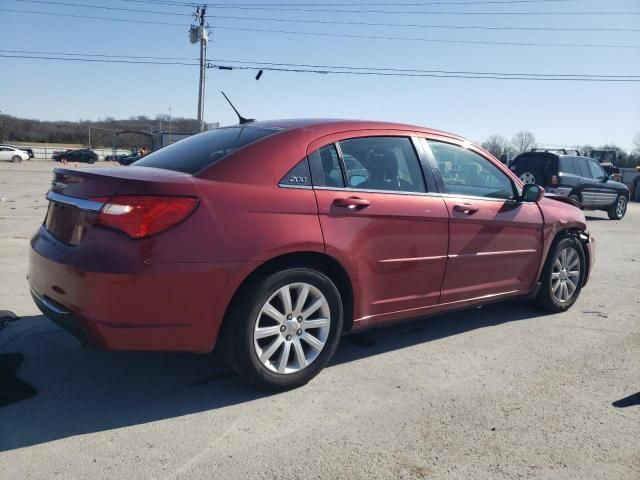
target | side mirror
x=604, y=179
x=532, y=193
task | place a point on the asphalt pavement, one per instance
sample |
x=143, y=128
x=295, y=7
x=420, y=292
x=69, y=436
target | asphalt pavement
x=500, y=392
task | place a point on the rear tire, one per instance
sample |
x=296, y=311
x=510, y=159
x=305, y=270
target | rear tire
x=528, y=177
x=562, y=275
x=262, y=341
x=618, y=209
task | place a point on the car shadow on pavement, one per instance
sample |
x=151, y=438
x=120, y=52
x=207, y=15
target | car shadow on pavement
x=83, y=391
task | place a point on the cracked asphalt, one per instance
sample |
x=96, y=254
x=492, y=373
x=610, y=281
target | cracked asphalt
x=501, y=392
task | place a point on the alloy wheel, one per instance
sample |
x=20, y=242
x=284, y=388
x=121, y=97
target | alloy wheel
x=528, y=178
x=565, y=275
x=292, y=328
x=621, y=207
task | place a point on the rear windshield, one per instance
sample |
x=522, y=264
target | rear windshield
x=199, y=151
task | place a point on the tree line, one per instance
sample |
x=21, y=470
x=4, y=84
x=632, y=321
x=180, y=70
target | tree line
x=505, y=149
x=14, y=129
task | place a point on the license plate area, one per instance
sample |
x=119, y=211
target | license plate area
x=68, y=223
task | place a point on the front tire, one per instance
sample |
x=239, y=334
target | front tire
x=16, y=159
x=562, y=275
x=283, y=328
x=618, y=209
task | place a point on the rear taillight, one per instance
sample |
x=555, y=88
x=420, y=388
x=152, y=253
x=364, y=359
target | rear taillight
x=554, y=180
x=142, y=215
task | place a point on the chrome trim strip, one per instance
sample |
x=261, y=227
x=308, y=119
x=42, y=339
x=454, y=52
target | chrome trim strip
x=296, y=187
x=415, y=259
x=487, y=254
x=48, y=304
x=82, y=204
x=424, y=194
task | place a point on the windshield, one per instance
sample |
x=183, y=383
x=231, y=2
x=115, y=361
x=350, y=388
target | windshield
x=204, y=149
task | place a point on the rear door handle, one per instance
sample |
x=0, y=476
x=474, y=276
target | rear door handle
x=352, y=203
x=467, y=209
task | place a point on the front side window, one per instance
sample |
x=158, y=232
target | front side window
x=382, y=163
x=466, y=173
x=596, y=170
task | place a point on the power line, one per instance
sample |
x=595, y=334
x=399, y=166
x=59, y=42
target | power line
x=341, y=35
x=306, y=65
x=416, y=25
x=403, y=4
x=102, y=7
x=333, y=70
x=89, y=17
x=421, y=12
x=429, y=40
x=284, y=7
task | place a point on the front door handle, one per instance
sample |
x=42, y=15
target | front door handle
x=352, y=203
x=467, y=209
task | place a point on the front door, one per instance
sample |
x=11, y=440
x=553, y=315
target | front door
x=587, y=185
x=379, y=221
x=495, y=242
x=604, y=194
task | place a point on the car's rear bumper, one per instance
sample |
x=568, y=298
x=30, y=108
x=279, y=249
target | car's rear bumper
x=166, y=306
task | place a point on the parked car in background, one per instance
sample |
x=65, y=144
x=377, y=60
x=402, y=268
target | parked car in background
x=273, y=239
x=129, y=159
x=29, y=151
x=79, y=155
x=116, y=158
x=580, y=178
x=12, y=154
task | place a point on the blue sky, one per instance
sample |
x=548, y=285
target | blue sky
x=564, y=113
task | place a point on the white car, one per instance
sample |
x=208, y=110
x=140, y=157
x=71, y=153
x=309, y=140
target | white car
x=12, y=154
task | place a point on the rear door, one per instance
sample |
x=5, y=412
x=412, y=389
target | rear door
x=495, y=242
x=379, y=220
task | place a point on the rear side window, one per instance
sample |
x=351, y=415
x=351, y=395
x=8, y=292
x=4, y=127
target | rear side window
x=199, y=151
x=582, y=168
x=330, y=173
x=382, y=163
x=566, y=165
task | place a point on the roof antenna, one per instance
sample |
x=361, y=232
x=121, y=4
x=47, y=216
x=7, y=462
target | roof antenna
x=241, y=119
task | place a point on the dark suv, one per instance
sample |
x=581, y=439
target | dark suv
x=580, y=178
x=80, y=155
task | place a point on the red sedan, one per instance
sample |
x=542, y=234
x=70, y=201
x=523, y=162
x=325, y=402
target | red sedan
x=275, y=238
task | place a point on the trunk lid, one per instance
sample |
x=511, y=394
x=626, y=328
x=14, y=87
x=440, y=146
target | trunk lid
x=76, y=196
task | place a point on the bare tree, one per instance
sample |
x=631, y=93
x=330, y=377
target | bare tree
x=523, y=141
x=498, y=146
x=585, y=149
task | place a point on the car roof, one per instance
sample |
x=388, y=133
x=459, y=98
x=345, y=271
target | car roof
x=326, y=126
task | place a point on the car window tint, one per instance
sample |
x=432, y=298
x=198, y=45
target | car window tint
x=194, y=153
x=331, y=172
x=581, y=167
x=595, y=169
x=466, y=173
x=298, y=175
x=566, y=165
x=382, y=163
